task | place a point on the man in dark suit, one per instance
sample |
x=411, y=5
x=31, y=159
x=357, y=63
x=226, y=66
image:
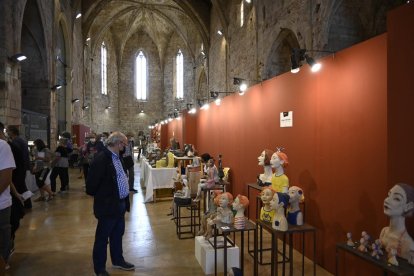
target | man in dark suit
x=107, y=182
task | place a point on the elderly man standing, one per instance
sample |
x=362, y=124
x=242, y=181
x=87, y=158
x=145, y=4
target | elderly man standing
x=107, y=182
x=7, y=165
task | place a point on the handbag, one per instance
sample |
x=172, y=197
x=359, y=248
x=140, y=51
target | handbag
x=128, y=161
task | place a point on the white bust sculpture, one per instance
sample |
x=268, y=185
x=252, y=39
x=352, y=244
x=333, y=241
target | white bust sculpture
x=397, y=205
x=265, y=179
x=278, y=202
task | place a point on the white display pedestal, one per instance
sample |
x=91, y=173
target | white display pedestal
x=204, y=254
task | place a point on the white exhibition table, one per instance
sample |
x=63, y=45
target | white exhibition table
x=156, y=178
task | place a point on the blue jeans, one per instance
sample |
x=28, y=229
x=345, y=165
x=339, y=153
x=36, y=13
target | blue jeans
x=111, y=228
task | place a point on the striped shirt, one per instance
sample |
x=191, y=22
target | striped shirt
x=121, y=177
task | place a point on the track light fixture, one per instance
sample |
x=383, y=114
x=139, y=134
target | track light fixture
x=75, y=100
x=17, y=58
x=299, y=55
x=243, y=84
x=86, y=106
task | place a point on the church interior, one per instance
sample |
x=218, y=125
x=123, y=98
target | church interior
x=232, y=78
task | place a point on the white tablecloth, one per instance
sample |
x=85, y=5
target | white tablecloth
x=156, y=178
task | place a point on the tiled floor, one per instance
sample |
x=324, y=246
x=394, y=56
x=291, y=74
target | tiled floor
x=56, y=238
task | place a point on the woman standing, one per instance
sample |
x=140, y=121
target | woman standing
x=41, y=170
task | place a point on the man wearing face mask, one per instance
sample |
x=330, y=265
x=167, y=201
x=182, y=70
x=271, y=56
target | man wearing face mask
x=107, y=182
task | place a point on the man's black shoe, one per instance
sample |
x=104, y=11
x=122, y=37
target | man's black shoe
x=105, y=273
x=125, y=266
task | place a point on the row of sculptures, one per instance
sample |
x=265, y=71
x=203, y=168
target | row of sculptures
x=281, y=207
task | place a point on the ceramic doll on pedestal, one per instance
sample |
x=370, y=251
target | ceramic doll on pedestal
x=398, y=205
x=266, y=212
x=223, y=213
x=364, y=242
x=265, y=179
x=239, y=205
x=278, y=203
x=211, y=214
x=295, y=215
x=280, y=182
x=212, y=178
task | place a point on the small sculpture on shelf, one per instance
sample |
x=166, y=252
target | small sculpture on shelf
x=398, y=205
x=364, y=242
x=376, y=249
x=265, y=179
x=295, y=215
x=279, y=203
x=280, y=182
x=266, y=212
x=349, y=240
x=220, y=168
x=392, y=256
x=239, y=205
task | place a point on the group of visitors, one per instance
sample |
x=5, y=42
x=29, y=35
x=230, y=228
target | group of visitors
x=109, y=164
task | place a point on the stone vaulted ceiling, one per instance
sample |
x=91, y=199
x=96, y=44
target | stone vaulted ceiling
x=159, y=19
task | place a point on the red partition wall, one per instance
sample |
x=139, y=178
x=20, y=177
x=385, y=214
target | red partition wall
x=337, y=147
x=80, y=132
x=175, y=129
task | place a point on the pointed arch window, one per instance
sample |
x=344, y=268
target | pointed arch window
x=179, y=63
x=242, y=13
x=141, y=76
x=104, y=80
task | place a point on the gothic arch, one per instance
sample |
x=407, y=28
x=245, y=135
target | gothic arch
x=202, y=90
x=278, y=60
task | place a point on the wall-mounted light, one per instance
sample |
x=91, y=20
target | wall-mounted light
x=75, y=100
x=56, y=87
x=17, y=58
x=242, y=83
x=219, y=32
x=299, y=55
x=86, y=106
x=87, y=39
x=78, y=15
x=108, y=107
x=142, y=111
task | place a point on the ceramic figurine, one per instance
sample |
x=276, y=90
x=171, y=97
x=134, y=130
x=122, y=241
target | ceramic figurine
x=239, y=205
x=211, y=180
x=265, y=179
x=363, y=242
x=266, y=212
x=295, y=215
x=398, y=205
x=392, y=256
x=280, y=182
x=349, y=241
x=210, y=215
x=224, y=213
x=376, y=249
x=278, y=203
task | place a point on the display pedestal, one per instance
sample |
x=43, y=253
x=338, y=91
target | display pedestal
x=204, y=254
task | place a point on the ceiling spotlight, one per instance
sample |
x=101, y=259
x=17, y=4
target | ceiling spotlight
x=88, y=39
x=218, y=101
x=78, y=15
x=17, y=57
x=205, y=106
x=192, y=110
x=299, y=55
x=75, y=100
x=220, y=32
